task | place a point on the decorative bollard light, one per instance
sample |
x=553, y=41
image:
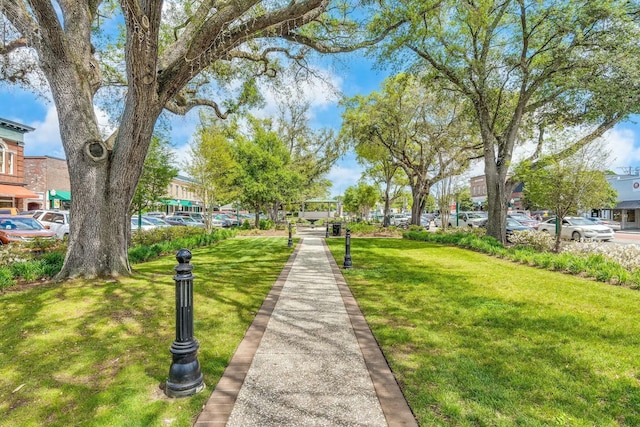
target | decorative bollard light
x=185, y=378
x=326, y=234
x=347, y=251
x=290, y=242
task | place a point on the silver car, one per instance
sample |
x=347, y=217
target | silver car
x=56, y=221
x=577, y=228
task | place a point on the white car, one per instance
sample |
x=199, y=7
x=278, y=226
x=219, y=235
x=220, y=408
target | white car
x=141, y=224
x=399, y=219
x=468, y=219
x=56, y=221
x=577, y=228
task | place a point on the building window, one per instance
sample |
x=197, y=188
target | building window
x=3, y=151
x=10, y=163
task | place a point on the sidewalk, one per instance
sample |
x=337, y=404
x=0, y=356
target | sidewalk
x=309, y=358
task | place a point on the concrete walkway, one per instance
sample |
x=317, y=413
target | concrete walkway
x=309, y=358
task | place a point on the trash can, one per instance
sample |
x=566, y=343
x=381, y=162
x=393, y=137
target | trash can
x=337, y=228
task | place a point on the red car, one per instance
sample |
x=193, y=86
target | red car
x=22, y=228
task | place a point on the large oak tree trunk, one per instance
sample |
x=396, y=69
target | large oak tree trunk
x=497, y=200
x=103, y=183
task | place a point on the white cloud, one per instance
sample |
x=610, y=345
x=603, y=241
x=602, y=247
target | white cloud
x=343, y=175
x=45, y=139
x=321, y=90
x=621, y=144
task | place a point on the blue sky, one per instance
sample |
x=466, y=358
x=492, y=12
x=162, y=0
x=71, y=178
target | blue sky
x=352, y=75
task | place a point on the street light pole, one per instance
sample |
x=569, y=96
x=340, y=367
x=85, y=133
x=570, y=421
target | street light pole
x=185, y=378
x=347, y=251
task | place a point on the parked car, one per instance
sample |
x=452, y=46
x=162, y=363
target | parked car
x=183, y=220
x=158, y=222
x=614, y=225
x=141, y=224
x=425, y=221
x=155, y=214
x=56, y=221
x=514, y=225
x=22, y=228
x=399, y=219
x=8, y=211
x=197, y=216
x=523, y=219
x=577, y=228
x=467, y=219
x=223, y=219
x=175, y=220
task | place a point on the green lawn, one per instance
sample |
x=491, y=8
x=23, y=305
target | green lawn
x=478, y=341
x=95, y=353
x=473, y=340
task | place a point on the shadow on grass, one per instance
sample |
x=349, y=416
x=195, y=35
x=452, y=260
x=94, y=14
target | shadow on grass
x=475, y=340
x=96, y=353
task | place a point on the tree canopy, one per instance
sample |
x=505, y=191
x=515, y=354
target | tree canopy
x=360, y=199
x=422, y=126
x=170, y=56
x=263, y=174
x=568, y=186
x=527, y=67
x=211, y=165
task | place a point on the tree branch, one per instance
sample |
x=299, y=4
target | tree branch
x=14, y=45
x=325, y=48
x=182, y=108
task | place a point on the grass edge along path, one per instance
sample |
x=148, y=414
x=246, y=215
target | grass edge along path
x=477, y=340
x=96, y=353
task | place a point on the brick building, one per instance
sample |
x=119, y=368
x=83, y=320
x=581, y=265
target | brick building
x=478, y=188
x=13, y=191
x=49, y=177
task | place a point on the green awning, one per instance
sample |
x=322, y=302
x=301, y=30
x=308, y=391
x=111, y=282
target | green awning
x=60, y=195
x=174, y=202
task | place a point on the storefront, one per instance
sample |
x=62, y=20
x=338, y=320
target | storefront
x=15, y=196
x=59, y=199
x=627, y=210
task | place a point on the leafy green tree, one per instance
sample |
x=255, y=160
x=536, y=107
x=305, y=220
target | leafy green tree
x=567, y=186
x=528, y=68
x=430, y=205
x=464, y=200
x=158, y=172
x=170, y=56
x=360, y=199
x=312, y=152
x=211, y=165
x=263, y=175
x=385, y=172
x=419, y=123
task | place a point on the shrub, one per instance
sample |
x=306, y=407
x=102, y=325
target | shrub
x=20, y=261
x=6, y=277
x=533, y=239
x=609, y=263
x=265, y=224
x=28, y=270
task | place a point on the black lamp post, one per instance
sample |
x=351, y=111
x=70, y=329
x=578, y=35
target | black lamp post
x=347, y=251
x=290, y=242
x=326, y=234
x=185, y=378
